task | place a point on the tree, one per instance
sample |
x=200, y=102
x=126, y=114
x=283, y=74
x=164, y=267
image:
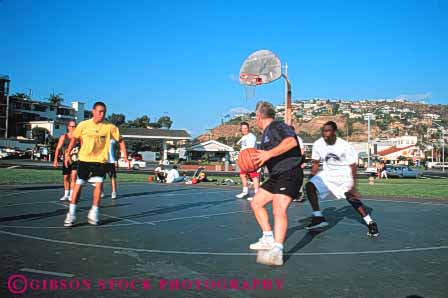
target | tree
x=117, y=119
x=154, y=124
x=139, y=122
x=165, y=122
x=40, y=134
x=20, y=95
x=55, y=99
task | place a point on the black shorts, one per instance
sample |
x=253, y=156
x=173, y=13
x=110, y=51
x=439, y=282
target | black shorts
x=71, y=167
x=286, y=183
x=111, y=170
x=88, y=170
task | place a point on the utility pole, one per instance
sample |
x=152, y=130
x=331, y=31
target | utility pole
x=442, y=143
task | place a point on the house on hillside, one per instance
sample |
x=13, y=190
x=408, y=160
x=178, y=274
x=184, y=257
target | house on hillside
x=393, y=154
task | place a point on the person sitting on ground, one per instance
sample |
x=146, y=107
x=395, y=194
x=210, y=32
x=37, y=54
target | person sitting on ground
x=173, y=176
x=203, y=178
x=160, y=173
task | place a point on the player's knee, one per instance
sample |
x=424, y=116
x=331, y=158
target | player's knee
x=355, y=202
x=279, y=212
x=309, y=186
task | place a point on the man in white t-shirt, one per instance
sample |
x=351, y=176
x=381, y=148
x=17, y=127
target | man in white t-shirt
x=173, y=176
x=248, y=140
x=338, y=177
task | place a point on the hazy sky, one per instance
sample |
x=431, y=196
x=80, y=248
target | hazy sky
x=183, y=57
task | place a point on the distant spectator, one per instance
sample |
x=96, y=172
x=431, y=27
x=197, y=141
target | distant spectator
x=173, y=176
x=160, y=173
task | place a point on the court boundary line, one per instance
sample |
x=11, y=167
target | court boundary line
x=178, y=252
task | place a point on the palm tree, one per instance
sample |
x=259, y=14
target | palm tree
x=55, y=99
x=20, y=95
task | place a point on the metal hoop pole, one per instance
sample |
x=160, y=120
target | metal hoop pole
x=288, y=95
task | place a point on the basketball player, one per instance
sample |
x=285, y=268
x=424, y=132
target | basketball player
x=338, y=177
x=69, y=172
x=111, y=168
x=96, y=136
x=248, y=140
x=280, y=152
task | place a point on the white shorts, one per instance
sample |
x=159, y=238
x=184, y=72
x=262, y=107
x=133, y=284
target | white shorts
x=332, y=185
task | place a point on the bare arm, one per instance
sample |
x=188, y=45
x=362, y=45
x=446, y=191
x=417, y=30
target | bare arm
x=68, y=150
x=124, y=153
x=58, y=148
x=287, y=144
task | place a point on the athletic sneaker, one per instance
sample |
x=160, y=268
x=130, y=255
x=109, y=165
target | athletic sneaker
x=69, y=220
x=102, y=195
x=373, y=230
x=64, y=198
x=264, y=243
x=93, y=217
x=242, y=195
x=318, y=222
x=272, y=257
x=250, y=198
x=299, y=200
x=113, y=195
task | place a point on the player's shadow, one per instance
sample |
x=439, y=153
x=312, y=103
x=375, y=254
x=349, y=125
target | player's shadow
x=175, y=208
x=332, y=215
x=144, y=193
x=34, y=216
x=39, y=187
x=44, y=215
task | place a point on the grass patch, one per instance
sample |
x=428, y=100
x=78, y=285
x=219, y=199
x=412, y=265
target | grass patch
x=404, y=188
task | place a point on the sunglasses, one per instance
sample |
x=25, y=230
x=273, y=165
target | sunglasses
x=72, y=126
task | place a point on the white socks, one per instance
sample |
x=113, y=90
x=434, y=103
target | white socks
x=278, y=246
x=66, y=193
x=268, y=234
x=94, y=208
x=317, y=213
x=367, y=219
x=246, y=189
x=72, y=209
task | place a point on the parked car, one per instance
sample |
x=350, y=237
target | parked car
x=370, y=171
x=135, y=164
x=403, y=171
x=136, y=156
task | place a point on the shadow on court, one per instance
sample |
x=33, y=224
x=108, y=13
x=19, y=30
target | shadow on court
x=333, y=216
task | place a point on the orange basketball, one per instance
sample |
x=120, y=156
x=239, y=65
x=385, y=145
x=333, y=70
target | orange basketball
x=246, y=160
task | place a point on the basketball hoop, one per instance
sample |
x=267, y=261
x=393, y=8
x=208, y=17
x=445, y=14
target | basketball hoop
x=250, y=81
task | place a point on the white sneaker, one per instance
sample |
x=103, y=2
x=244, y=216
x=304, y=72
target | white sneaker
x=102, y=195
x=69, y=220
x=264, y=243
x=272, y=257
x=250, y=198
x=113, y=195
x=64, y=198
x=93, y=217
x=242, y=195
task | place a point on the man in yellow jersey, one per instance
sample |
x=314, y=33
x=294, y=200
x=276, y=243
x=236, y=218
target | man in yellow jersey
x=95, y=135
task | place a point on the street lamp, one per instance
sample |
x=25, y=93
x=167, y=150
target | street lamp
x=443, y=144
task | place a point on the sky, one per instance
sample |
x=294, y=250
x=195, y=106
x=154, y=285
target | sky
x=182, y=58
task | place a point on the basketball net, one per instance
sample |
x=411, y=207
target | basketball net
x=249, y=91
x=250, y=82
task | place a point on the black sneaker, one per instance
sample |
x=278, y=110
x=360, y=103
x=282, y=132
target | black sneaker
x=318, y=222
x=373, y=230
